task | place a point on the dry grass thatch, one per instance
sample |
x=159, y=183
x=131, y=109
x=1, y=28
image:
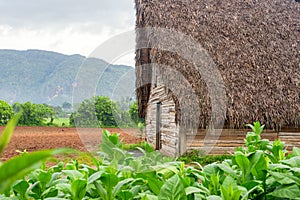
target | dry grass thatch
x=254, y=43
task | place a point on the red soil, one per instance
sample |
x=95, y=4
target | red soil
x=38, y=138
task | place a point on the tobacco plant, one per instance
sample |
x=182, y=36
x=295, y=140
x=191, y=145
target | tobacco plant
x=260, y=170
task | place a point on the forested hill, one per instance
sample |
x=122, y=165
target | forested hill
x=49, y=77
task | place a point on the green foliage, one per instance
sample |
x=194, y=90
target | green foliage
x=118, y=174
x=34, y=114
x=274, y=151
x=8, y=131
x=18, y=167
x=95, y=112
x=6, y=112
x=106, y=111
x=133, y=111
x=142, y=145
x=102, y=112
x=200, y=157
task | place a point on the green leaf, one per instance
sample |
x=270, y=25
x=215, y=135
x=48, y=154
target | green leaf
x=230, y=190
x=296, y=151
x=278, y=166
x=50, y=192
x=214, y=197
x=243, y=163
x=166, y=170
x=125, y=195
x=109, y=181
x=258, y=165
x=229, y=181
x=19, y=166
x=155, y=185
x=289, y=192
x=44, y=178
x=173, y=189
x=228, y=170
x=21, y=188
x=248, y=192
x=100, y=190
x=94, y=177
x=8, y=131
x=192, y=190
x=149, y=197
x=282, y=178
x=252, y=184
x=119, y=186
x=73, y=174
x=65, y=188
x=78, y=188
x=114, y=138
x=293, y=162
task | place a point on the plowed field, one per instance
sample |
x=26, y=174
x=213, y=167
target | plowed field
x=37, y=138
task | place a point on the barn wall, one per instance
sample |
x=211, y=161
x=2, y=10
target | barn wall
x=169, y=129
x=230, y=139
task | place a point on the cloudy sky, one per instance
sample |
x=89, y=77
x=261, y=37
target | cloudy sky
x=65, y=26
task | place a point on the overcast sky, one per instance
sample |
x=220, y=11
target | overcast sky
x=65, y=26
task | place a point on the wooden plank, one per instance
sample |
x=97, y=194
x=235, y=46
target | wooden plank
x=230, y=139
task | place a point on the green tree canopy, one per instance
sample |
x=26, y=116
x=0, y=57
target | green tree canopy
x=34, y=114
x=95, y=112
x=6, y=112
x=103, y=112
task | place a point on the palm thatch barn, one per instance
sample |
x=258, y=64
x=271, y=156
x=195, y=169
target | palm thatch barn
x=203, y=65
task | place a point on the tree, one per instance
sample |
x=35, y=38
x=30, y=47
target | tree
x=34, y=114
x=85, y=116
x=46, y=111
x=107, y=111
x=6, y=112
x=134, y=113
x=95, y=112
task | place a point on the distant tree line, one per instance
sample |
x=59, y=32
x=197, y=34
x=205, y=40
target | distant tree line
x=98, y=111
x=101, y=111
x=32, y=114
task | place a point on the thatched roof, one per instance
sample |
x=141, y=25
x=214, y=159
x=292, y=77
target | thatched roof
x=255, y=44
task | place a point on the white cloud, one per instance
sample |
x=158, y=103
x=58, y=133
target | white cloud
x=66, y=26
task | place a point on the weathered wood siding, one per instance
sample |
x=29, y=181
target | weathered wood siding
x=169, y=129
x=232, y=138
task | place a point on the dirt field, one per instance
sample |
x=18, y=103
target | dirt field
x=37, y=138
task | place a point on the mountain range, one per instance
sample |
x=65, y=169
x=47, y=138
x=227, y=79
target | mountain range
x=54, y=78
